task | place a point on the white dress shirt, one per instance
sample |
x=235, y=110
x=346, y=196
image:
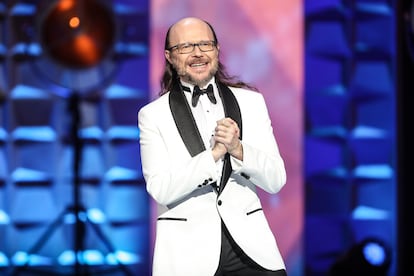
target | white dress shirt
x=206, y=114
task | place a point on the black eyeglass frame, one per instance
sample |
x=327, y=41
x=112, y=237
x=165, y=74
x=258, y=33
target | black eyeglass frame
x=213, y=43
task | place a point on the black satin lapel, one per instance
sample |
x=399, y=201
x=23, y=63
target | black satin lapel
x=227, y=169
x=231, y=106
x=184, y=121
x=232, y=110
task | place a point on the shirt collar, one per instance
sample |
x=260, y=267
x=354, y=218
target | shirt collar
x=191, y=86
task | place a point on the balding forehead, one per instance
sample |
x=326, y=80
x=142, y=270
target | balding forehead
x=189, y=21
x=190, y=29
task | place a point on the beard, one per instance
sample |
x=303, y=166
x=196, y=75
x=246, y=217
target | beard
x=192, y=78
x=200, y=82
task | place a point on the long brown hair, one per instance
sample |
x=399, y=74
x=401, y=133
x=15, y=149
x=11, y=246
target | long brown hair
x=170, y=74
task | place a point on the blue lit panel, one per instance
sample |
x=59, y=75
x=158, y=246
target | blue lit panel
x=330, y=81
x=334, y=42
x=66, y=131
x=324, y=157
x=350, y=144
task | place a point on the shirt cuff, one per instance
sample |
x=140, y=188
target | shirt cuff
x=236, y=164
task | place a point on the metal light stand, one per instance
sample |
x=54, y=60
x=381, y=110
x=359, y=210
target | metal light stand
x=77, y=208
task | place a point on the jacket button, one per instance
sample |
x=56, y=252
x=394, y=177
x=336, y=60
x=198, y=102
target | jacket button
x=245, y=175
x=219, y=203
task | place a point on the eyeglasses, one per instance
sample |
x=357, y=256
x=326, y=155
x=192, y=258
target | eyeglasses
x=186, y=48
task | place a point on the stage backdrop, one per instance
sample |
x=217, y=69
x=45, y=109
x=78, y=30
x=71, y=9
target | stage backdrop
x=261, y=42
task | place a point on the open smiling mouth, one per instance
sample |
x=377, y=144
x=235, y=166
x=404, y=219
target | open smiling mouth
x=198, y=65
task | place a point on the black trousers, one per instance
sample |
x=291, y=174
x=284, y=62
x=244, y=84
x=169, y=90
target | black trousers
x=234, y=262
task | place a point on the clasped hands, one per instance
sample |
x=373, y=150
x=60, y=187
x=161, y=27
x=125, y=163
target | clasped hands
x=226, y=138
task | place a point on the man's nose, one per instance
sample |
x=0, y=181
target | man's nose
x=197, y=51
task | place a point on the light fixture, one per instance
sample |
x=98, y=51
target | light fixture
x=371, y=256
x=77, y=39
x=78, y=34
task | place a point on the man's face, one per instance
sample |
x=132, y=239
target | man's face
x=196, y=67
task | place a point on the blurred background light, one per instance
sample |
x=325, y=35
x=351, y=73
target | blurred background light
x=374, y=253
x=96, y=215
x=4, y=218
x=371, y=256
x=78, y=34
x=21, y=258
x=4, y=261
x=123, y=257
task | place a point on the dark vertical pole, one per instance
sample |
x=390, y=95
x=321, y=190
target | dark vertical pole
x=405, y=78
x=79, y=232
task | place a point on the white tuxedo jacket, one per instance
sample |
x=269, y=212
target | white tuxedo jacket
x=178, y=172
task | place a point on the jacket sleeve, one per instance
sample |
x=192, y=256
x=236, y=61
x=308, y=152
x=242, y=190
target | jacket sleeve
x=170, y=176
x=262, y=163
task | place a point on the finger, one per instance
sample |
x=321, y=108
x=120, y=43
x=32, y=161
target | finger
x=226, y=122
x=230, y=132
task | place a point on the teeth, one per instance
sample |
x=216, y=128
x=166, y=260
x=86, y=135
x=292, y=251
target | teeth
x=197, y=64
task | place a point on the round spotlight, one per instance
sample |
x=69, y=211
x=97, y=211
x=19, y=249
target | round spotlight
x=369, y=257
x=77, y=33
x=374, y=253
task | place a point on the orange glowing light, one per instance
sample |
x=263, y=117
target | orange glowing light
x=81, y=36
x=65, y=5
x=74, y=22
x=85, y=49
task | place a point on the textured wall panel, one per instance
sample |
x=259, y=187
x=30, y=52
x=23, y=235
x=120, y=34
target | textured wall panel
x=70, y=134
x=350, y=147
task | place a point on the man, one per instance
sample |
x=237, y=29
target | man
x=203, y=156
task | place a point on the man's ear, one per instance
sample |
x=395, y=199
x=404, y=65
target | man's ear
x=167, y=56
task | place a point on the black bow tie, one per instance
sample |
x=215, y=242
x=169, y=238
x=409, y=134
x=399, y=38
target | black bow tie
x=198, y=92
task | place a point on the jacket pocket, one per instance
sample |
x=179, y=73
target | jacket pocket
x=175, y=219
x=253, y=211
